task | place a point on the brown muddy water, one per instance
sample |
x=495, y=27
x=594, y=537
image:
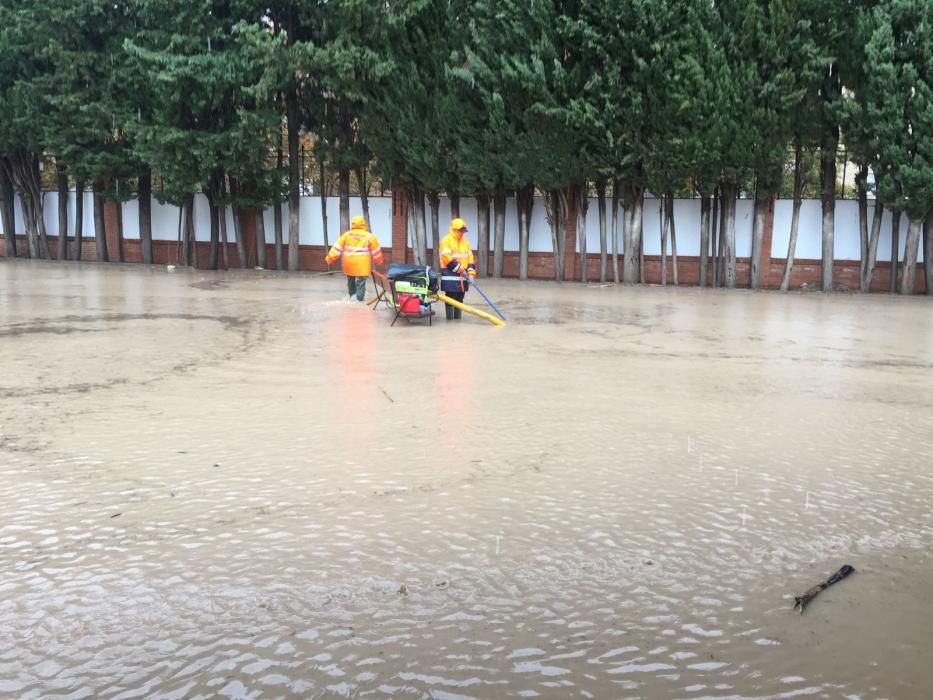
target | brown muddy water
x=240, y=485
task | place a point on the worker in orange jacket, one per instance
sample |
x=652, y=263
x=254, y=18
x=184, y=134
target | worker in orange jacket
x=457, y=265
x=359, y=249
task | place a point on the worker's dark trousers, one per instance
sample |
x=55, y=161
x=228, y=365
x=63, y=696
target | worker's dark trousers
x=357, y=286
x=451, y=311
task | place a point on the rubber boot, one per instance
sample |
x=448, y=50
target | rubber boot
x=458, y=313
x=449, y=311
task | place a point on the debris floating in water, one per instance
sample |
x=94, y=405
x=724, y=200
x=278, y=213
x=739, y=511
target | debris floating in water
x=800, y=602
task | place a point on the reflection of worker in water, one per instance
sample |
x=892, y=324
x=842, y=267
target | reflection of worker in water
x=457, y=266
x=359, y=249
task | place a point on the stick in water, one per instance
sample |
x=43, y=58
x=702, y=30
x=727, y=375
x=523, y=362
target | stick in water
x=800, y=602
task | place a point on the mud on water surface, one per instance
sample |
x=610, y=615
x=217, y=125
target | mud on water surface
x=241, y=485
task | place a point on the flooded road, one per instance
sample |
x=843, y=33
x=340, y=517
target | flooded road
x=240, y=485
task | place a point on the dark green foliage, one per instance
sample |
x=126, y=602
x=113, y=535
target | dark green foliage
x=896, y=104
x=207, y=112
x=468, y=96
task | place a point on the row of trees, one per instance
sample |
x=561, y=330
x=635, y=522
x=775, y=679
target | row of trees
x=487, y=98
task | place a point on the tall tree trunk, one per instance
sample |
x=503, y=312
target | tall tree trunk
x=454, y=205
x=555, y=219
x=181, y=250
x=662, y=218
x=603, y=233
x=241, y=250
x=212, y=255
x=79, y=219
x=895, y=247
x=119, y=217
x=861, y=184
x=794, y=219
x=629, y=247
x=363, y=185
x=7, y=198
x=524, y=202
x=673, y=228
x=277, y=221
x=38, y=207
x=865, y=281
x=482, y=235
x=294, y=196
x=705, y=207
x=322, y=192
x=260, y=238
x=911, y=248
x=61, y=183
x=758, y=232
x=191, y=241
x=23, y=170
x=641, y=259
x=410, y=243
x=498, y=261
x=27, y=181
x=224, y=241
x=434, y=199
x=235, y=193
x=416, y=207
x=828, y=197
x=615, y=230
x=829, y=144
x=343, y=178
x=582, y=205
x=100, y=236
x=729, y=192
x=715, y=227
x=568, y=202
x=928, y=251
x=39, y=212
x=29, y=226
x=632, y=252
x=145, y=215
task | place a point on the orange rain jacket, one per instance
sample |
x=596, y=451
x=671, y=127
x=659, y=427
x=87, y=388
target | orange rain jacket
x=456, y=247
x=359, y=249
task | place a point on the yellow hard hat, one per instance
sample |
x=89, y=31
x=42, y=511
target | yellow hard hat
x=459, y=225
x=358, y=222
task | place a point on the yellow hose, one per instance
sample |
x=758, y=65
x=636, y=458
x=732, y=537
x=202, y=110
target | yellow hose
x=470, y=310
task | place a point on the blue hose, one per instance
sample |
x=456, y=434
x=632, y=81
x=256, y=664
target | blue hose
x=498, y=313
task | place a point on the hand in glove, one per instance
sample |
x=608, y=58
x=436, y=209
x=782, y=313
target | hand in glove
x=471, y=270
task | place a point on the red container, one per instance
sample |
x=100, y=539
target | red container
x=409, y=304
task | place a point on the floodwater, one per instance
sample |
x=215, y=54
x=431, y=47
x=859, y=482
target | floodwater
x=240, y=485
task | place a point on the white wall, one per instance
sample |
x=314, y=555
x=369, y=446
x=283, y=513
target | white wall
x=686, y=217
x=846, y=244
x=50, y=214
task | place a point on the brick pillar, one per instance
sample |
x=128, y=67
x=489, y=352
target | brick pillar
x=399, y=226
x=570, y=240
x=767, y=281
x=113, y=230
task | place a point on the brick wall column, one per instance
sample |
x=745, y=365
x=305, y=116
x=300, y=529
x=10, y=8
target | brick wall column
x=113, y=230
x=570, y=240
x=399, y=226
